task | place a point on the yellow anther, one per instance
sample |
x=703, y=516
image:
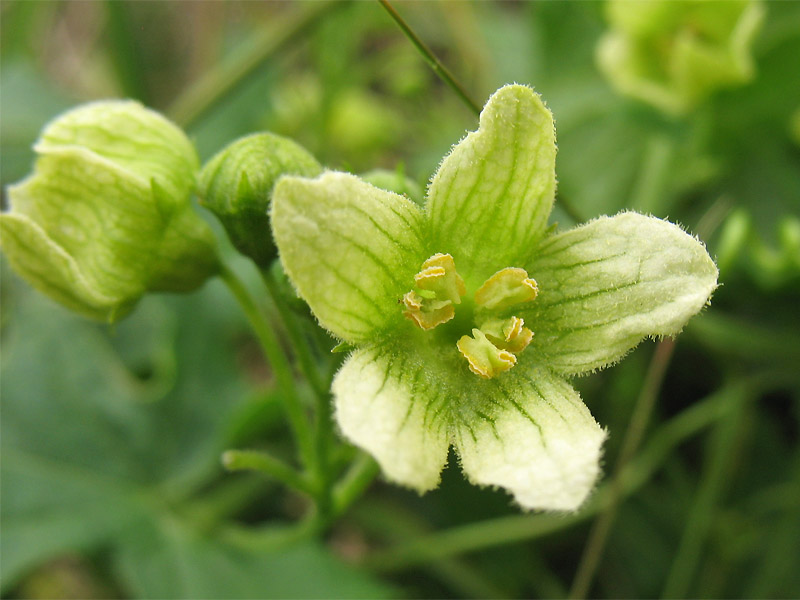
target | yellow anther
x=485, y=359
x=427, y=314
x=413, y=300
x=506, y=288
x=509, y=334
x=439, y=275
x=438, y=288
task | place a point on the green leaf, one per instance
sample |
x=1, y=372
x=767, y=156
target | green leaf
x=350, y=249
x=165, y=559
x=490, y=199
x=87, y=449
x=606, y=285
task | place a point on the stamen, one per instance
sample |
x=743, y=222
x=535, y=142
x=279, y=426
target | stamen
x=508, y=287
x=427, y=314
x=439, y=275
x=509, y=334
x=485, y=359
x=438, y=288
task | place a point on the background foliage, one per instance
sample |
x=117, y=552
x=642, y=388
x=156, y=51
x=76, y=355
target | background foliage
x=111, y=480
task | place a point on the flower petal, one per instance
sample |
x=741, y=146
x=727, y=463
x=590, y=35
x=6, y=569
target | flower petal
x=382, y=403
x=537, y=440
x=610, y=283
x=492, y=195
x=52, y=271
x=102, y=216
x=350, y=249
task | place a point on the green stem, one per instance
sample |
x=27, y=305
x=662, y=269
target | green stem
x=252, y=460
x=648, y=191
x=361, y=473
x=431, y=59
x=221, y=81
x=322, y=424
x=645, y=403
x=299, y=344
x=397, y=524
x=517, y=528
x=280, y=365
x=701, y=515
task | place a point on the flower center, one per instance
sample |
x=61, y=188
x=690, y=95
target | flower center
x=493, y=346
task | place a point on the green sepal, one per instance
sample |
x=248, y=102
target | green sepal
x=236, y=185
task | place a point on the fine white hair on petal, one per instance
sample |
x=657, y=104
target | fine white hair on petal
x=383, y=405
x=539, y=442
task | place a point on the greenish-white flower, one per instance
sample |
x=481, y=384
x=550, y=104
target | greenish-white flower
x=106, y=215
x=674, y=53
x=469, y=315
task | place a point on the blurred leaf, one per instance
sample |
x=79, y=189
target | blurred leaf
x=29, y=101
x=165, y=559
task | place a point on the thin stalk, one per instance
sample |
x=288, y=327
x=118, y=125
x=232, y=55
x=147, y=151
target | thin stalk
x=221, y=81
x=299, y=344
x=701, y=515
x=361, y=473
x=279, y=363
x=322, y=423
x=595, y=545
x=252, y=460
x=397, y=524
x=448, y=78
x=435, y=64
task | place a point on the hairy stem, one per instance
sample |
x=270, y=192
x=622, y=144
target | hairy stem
x=322, y=424
x=435, y=64
x=252, y=460
x=279, y=363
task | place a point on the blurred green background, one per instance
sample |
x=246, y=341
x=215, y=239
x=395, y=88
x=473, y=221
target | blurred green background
x=111, y=437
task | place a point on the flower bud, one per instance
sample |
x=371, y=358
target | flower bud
x=236, y=185
x=674, y=55
x=106, y=215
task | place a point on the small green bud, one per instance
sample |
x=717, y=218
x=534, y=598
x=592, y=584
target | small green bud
x=236, y=185
x=106, y=215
